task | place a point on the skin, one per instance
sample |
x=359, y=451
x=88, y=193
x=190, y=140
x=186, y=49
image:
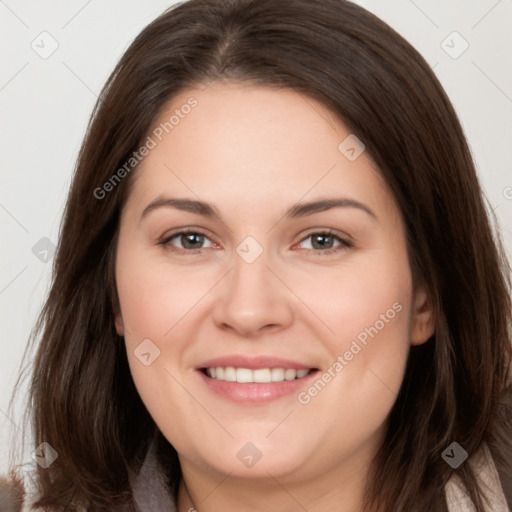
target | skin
x=253, y=153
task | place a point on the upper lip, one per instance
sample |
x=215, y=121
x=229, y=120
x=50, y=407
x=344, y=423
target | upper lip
x=252, y=363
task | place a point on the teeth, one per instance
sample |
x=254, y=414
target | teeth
x=261, y=375
x=244, y=375
x=290, y=374
x=230, y=374
x=277, y=374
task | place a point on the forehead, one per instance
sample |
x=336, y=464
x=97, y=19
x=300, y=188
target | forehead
x=240, y=143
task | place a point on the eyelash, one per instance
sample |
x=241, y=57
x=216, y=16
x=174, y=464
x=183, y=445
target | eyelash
x=344, y=244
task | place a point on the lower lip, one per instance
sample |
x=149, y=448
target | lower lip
x=255, y=392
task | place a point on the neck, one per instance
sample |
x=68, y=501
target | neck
x=339, y=488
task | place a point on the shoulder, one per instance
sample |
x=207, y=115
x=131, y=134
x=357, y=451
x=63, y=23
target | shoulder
x=12, y=494
x=485, y=470
x=15, y=495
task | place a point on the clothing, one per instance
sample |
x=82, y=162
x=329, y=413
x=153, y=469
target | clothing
x=149, y=489
x=151, y=495
x=150, y=492
x=487, y=473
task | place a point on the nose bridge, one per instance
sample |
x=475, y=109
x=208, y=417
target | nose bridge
x=250, y=274
x=252, y=297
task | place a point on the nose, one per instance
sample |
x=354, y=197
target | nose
x=252, y=299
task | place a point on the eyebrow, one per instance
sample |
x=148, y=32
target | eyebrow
x=296, y=211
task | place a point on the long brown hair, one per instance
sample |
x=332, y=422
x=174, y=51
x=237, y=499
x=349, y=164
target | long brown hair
x=456, y=386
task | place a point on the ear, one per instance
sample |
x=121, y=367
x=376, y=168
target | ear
x=423, y=318
x=116, y=308
x=119, y=324
x=118, y=318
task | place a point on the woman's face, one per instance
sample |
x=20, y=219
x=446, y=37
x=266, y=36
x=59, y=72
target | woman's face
x=259, y=291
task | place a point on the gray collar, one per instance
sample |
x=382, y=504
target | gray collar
x=150, y=491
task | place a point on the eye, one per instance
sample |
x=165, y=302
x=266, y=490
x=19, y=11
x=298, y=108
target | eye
x=190, y=240
x=322, y=242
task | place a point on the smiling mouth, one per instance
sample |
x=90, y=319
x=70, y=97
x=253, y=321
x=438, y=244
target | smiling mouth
x=260, y=375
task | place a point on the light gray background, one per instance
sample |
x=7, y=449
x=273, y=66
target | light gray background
x=45, y=104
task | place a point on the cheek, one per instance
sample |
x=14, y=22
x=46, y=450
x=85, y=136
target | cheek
x=368, y=314
x=153, y=303
x=371, y=321
x=358, y=387
x=157, y=304
x=368, y=298
x=154, y=296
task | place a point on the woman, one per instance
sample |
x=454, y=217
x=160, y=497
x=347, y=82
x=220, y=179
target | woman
x=276, y=287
